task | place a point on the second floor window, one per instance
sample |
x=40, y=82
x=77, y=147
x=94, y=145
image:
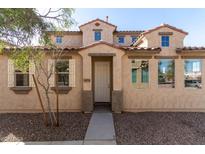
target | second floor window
x=134, y=38
x=165, y=41
x=62, y=69
x=97, y=35
x=58, y=39
x=121, y=39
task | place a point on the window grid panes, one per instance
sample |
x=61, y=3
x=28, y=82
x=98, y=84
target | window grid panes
x=21, y=79
x=145, y=75
x=166, y=73
x=192, y=73
x=140, y=73
x=121, y=39
x=58, y=39
x=165, y=41
x=97, y=36
x=62, y=69
x=134, y=75
x=134, y=38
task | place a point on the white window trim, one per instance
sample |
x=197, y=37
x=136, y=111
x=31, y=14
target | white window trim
x=62, y=60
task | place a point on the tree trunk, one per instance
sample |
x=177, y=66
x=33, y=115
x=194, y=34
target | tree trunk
x=57, y=100
x=40, y=100
x=51, y=114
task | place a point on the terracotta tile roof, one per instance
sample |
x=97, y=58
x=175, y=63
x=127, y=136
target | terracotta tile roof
x=190, y=49
x=128, y=32
x=45, y=48
x=142, y=49
x=75, y=49
x=98, y=20
x=128, y=48
x=165, y=25
x=101, y=42
x=63, y=32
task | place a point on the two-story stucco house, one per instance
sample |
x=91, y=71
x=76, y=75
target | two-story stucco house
x=132, y=71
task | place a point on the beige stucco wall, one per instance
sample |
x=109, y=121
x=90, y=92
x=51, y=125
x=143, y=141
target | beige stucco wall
x=117, y=65
x=154, y=98
x=144, y=43
x=69, y=40
x=11, y=102
x=88, y=33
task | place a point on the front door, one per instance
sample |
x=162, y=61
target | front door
x=102, y=82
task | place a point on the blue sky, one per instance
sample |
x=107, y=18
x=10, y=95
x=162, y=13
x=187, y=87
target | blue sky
x=190, y=20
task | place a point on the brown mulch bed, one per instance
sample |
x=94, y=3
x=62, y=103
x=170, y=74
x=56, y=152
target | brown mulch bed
x=30, y=127
x=160, y=128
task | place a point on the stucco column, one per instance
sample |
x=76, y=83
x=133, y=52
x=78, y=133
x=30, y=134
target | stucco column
x=179, y=73
x=153, y=73
x=117, y=73
x=117, y=94
x=87, y=93
x=203, y=73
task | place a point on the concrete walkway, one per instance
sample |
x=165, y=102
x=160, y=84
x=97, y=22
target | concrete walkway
x=100, y=129
x=100, y=132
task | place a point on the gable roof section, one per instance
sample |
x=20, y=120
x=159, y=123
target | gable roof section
x=64, y=32
x=101, y=42
x=139, y=40
x=95, y=20
x=165, y=25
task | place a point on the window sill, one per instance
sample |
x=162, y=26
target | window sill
x=62, y=90
x=21, y=90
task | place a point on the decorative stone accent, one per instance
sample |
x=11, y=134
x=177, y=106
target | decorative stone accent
x=117, y=98
x=87, y=101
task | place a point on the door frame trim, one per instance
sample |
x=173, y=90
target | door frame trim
x=102, y=59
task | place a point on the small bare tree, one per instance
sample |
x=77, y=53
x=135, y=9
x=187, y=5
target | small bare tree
x=19, y=27
x=33, y=56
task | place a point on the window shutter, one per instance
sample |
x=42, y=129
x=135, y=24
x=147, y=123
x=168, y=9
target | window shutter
x=51, y=63
x=72, y=73
x=31, y=72
x=10, y=73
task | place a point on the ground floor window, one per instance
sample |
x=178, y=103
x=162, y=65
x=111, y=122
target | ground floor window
x=21, y=79
x=140, y=72
x=166, y=73
x=62, y=70
x=192, y=73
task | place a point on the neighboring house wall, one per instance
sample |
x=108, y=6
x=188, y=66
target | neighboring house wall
x=11, y=102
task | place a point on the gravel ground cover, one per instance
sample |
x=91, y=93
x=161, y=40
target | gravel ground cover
x=30, y=127
x=160, y=128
